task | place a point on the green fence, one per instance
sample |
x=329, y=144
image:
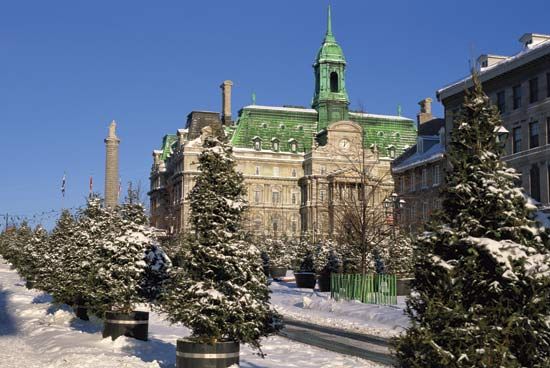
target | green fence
x=371, y=289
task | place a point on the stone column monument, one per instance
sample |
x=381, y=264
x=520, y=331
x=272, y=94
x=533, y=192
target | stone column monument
x=111, y=167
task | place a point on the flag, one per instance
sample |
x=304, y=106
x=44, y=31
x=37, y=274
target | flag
x=119, y=186
x=63, y=185
x=91, y=185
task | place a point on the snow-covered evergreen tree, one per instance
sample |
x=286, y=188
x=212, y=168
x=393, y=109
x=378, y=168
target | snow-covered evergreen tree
x=50, y=273
x=481, y=289
x=119, y=261
x=221, y=291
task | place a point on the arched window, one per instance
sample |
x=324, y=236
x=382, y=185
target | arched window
x=275, y=144
x=334, y=82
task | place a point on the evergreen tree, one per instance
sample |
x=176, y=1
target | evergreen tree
x=220, y=292
x=119, y=261
x=50, y=273
x=481, y=290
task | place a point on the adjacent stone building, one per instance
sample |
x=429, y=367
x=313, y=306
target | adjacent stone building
x=519, y=86
x=298, y=163
x=418, y=172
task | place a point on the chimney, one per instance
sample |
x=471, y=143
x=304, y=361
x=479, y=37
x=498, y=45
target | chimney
x=530, y=40
x=226, y=102
x=425, y=113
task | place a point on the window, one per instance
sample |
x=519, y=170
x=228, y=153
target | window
x=402, y=184
x=276, y=171
x=424, y=211
x=334, y=82
x=275, y=144
x=257, y=224
x=413, y=184
x=534, y=182
x=257, y=144
x=293, y=146
x=275, y=197
x=294, y=225
x=516, y=140
x=293, y=198
x=257, y=196
x=294, y=173
x=534, y=134
x=501, y=102
x=436, y=176
x=391, y=151
x=424, y=178
x=322, y=194
x=275, y=224
x=516, y=91
x=413, y=212
x=323, y=170
x=533, y=90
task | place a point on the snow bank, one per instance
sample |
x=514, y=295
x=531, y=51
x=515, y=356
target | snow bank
x=315, y=307
x=35, y=333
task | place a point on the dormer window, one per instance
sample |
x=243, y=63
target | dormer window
x=257, y=143
x=293, y=145
x=275, y=144
x=391, y=151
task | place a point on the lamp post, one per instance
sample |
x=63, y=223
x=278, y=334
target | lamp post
x=393, y=204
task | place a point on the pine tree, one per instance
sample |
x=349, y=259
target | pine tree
x=220, y=292
x=481, y=290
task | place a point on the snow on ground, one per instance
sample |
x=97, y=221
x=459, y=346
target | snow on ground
x=316, y=307
x=36, y=333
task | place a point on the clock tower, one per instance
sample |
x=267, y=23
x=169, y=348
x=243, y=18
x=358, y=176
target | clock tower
x=331, y=98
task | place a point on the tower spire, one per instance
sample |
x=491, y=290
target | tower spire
x=329, y=36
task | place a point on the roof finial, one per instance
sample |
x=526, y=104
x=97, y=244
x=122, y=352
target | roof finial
x=329, y=22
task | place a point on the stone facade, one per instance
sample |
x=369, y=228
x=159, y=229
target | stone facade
x=520, y=87
x=295, y=160
x=111, y=167
x=418, y=172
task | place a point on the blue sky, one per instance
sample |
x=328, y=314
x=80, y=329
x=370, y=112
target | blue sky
x=67, y=68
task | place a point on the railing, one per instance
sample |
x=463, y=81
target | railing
x=370, y=289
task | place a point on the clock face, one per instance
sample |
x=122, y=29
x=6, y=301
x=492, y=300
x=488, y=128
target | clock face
x=344, y=144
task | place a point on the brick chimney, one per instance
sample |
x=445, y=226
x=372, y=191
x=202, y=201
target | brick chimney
x=111, y=167
x=226, y=102
x=425, y=113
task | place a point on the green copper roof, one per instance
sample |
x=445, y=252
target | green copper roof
x=167, y=142
x=330, y=49
x=386, y=131
x=272, y=123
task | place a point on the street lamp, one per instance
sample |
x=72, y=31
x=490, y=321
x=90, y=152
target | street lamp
x=393, y=204
x=502, y=135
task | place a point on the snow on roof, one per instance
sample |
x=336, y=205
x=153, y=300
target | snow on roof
x=279, y=108
x=435, y=153
x=377, y=116
x=523, y=57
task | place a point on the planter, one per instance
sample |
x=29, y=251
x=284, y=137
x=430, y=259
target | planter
x=80, y=310
x=277, y=272
x=195, y=355
x=305, y=280
x=134, y=324
x=324, y=282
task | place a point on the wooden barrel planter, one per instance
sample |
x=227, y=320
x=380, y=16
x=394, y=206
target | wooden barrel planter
x=80, y=310
x=277, y=272
x=134, y=324
x=195, y=355
x=305, y=280
x=324, y=282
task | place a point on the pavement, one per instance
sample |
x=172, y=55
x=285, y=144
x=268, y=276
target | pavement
x=373, y=348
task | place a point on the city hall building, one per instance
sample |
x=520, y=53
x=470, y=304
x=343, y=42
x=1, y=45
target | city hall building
x=299, y=163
